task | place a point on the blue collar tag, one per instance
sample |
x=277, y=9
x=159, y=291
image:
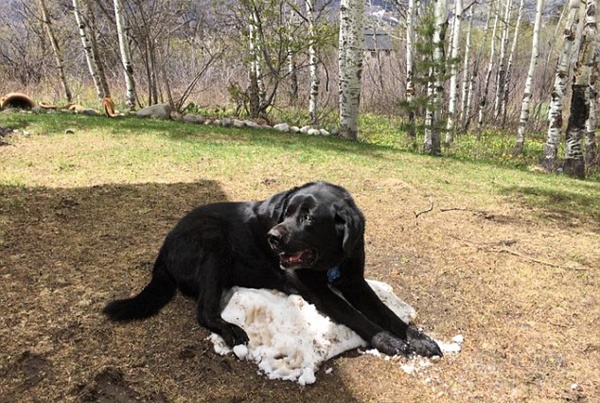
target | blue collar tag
x=333, y=274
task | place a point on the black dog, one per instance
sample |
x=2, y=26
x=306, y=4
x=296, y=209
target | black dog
x=308, y=240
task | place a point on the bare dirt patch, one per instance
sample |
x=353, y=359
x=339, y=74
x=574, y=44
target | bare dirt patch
x=521, y=287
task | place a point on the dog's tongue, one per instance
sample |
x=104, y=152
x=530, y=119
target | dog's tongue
x=303, y=256
x=292, y=258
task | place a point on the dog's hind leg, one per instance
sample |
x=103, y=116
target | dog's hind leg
x=208, y=308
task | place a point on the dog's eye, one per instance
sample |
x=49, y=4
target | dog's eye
x=307, y=218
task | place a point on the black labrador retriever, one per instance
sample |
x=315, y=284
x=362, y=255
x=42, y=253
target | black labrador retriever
x=308, y=240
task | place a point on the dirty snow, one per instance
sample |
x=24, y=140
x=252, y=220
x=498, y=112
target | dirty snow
x=289, y=338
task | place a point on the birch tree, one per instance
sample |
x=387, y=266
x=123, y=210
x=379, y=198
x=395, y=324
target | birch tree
x=475, y=72
x=350, y=64
x=86, y=41
x=312, y=64
x=509, y=65
x=454, y=53
x=466, y=62
x=561, y=76
x=501, y=74
x=592, y=158
x=256, y=89
x=580, y=103
x=486, y=82
x=410, y=66
x=58, y=58
x=432, y=143
x=524, y=118
x=125, y=54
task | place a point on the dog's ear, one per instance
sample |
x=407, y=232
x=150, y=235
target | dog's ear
x=276, y=205
x=353, y=226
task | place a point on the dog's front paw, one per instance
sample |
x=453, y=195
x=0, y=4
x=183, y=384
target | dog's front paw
x=421, y=344
x=234, y=335
x=389, y=344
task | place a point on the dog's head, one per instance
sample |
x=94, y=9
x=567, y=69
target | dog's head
x=319, y=226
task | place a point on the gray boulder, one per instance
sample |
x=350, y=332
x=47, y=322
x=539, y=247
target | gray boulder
x=252, y=124
x=282, y=127
x=193, y=118
x=158, y=111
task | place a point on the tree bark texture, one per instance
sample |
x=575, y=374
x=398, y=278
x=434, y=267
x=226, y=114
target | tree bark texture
x=350, y=65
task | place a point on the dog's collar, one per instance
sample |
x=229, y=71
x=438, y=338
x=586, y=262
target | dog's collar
x=333, y=274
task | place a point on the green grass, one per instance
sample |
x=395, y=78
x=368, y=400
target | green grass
x=128, y=149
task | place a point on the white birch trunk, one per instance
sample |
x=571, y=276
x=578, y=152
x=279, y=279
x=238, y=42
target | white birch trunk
x=350, y=64
x=466, y=62
x=513, y=50
x=501, y=75
x=87, y=47
x=486, y=82
x=291, y=59
x=56, y=50
x=592, y=157
x=125, y=55
x=256, y=87
x=312, y=64
x=432, y=143
x=580, y=107
x=475, y=72
x=410, y=65
x=559, y=90
x=454, y=53
x=524, y=118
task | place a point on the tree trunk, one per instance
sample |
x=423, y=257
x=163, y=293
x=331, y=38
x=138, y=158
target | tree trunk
x=410, y=65
x=256, y=88
x=501, y=74
x=466, y=62
x=592, y=158
x=86, y=41
x=292, y=66
x=56, y=50
x=524, y=118
x=454, y=53
x=312, y=65
x=350, y=64
x=555, y=111
x=125, y=54
x=580, y=105
x=475, y=72
x=432, y=144
x=91, y=19
x=513, y=50
x=486, y=82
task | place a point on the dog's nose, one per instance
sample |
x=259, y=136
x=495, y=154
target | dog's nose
x=274, y=238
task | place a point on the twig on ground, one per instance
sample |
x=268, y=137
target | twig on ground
x=418, y=213
x=512, y=252
x=492, y=247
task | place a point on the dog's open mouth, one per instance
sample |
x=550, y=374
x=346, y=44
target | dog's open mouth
x=303, y=259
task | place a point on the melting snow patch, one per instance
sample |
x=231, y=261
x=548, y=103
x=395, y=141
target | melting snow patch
x=289, y=338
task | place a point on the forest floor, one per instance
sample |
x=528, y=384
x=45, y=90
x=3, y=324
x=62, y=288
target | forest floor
x=82, y=217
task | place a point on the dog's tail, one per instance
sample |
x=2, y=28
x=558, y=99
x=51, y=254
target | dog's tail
x=153, y=297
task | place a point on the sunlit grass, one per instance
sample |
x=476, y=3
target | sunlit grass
x=131, y=150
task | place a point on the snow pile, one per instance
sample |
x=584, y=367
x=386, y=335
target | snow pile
x=289, y=338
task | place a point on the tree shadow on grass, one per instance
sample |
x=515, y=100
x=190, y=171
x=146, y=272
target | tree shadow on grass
x=64, y=253
x=580, y=203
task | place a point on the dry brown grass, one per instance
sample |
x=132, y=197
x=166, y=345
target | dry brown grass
x=518, y=280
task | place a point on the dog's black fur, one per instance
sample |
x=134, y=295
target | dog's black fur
x=308, y=240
